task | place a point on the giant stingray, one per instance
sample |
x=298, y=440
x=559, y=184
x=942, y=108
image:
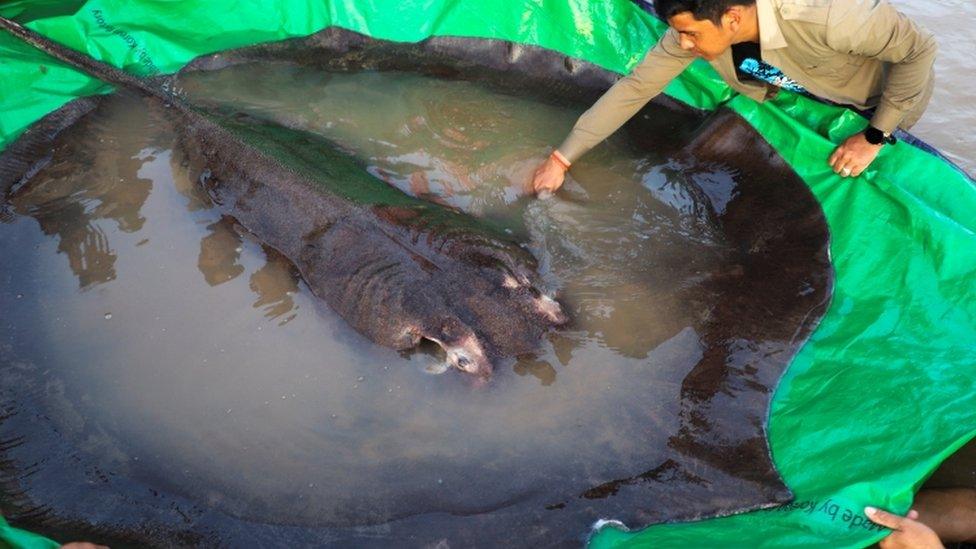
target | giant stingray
x=717, y=458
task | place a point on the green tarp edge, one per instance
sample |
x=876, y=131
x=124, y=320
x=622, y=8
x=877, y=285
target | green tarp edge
x=879, y=396
x=16, y=538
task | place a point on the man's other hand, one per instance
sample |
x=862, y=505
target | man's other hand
x=853, y=156
x=908, y=533
x=549, y=176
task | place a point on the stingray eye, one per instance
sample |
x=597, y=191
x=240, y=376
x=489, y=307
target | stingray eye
x=463, y=362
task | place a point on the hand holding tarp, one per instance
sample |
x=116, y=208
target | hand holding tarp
x=907, y=533
x=853, y=156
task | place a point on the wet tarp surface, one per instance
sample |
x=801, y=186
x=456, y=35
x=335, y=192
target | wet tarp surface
x=895, y=348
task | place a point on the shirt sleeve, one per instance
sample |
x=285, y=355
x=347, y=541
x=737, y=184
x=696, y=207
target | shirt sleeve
x=662, y=64
x=874, y=29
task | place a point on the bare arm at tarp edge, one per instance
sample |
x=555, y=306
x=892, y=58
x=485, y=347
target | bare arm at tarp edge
x=661, y=65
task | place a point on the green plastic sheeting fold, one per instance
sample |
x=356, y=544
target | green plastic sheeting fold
x=16, y=538
x=886, y=387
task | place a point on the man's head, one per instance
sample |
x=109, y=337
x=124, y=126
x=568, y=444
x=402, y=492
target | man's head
x=708, y=27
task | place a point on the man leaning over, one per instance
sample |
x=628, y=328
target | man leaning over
x=861, y=53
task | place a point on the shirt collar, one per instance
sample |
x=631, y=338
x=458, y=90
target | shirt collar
x=770, y=35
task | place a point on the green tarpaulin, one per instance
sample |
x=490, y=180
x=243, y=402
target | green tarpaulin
x=886, y=387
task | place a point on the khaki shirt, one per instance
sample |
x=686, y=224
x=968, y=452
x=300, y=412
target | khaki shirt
x=855, y=52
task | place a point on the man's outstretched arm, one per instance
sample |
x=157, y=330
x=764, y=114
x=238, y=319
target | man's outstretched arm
x=661, y=65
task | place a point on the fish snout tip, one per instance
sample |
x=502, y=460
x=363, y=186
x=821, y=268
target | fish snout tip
x=551, y=309
x=475, y=364
x=464, y=350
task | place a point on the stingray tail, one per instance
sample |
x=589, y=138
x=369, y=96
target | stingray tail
x=82, y=62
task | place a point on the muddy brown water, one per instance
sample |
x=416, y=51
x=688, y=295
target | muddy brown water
x=171, y=364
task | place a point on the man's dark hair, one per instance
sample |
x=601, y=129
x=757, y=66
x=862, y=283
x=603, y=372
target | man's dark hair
x=700, y=9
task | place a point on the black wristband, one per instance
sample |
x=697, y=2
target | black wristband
x=875, y=136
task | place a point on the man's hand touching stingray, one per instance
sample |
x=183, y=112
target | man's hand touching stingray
x=549, y=176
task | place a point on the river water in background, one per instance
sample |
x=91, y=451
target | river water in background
x=950, y=119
